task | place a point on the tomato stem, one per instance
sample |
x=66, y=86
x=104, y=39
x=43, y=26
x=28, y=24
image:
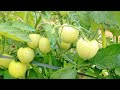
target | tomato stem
x=117, y=41
x=37, y=20
x=59, y=16
x=50, y=63
x=3, y=44
x=39, y=75
x=26, y=17
x=103, y=37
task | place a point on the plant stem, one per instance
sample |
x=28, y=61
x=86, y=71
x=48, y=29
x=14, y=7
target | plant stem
x=26, y=17
x=39, y=75
x=3, y=44
x=117, y=41
x=37, y=20
x=50, y=63
x=86, y=75
x=59, y=16
x=103, y=37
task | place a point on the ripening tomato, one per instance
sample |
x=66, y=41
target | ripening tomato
x=17, y=69
x=64, y=45
x=69, y=34
x=25, y=55
x=44, y=45
x=87, y=49
x=4, y=62
x=34, y=40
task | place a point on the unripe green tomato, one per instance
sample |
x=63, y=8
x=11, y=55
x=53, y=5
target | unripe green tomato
x=44, y=45
x=34, y=40
x=4, y=62
x=25, y=55
x=87, y=49
x=64, y=45
x=63, y=13
x=17, y=69
x=69, y=34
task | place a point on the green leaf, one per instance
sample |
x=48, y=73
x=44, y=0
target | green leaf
x=84, y=19
x=22, y=26
x=32, y=74
x=116, y=15
x=13, y=33
x=107, y=58
x=7, y=75
x=1, y=71
x=115, y=30
x=68, y=59
x=64, y=73
x=102, y=17
x=56, y=62
x=90, y=72
x=117, y=71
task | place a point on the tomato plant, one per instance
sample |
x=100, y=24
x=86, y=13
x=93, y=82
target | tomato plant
x=60, y=44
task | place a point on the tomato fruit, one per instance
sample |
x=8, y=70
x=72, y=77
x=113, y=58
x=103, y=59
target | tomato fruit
x=34, y=40
x=25, y=55
x=87, y=49
x=64, y=45
x=63, y=13
x=17, y=69
x=44, y=45
x=69, y=34
x=4, y=62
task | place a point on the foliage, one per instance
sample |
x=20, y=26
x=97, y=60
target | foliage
x=59, y=63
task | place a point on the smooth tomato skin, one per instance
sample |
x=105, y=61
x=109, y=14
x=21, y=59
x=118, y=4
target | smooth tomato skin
x=44, y=45
x=17, y=69
x=86, y=49
x=4, y=62
x=63, y=13
x=64, y=45
x=69, y=34
x=25, y=55
x=34, y=40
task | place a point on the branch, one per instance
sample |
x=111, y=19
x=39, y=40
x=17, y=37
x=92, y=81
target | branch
x=86, y=75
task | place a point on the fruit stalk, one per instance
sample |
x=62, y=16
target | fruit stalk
x=59, y=16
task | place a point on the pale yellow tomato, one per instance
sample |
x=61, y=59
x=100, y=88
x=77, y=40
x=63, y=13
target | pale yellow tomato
x=44, y=45
x=87, y=49
x=69, y=34
x=4, y=62
x=17, y=69
x=34, y=40
x=25, y=55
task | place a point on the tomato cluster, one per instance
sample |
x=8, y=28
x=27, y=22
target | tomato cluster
x=85, y=49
